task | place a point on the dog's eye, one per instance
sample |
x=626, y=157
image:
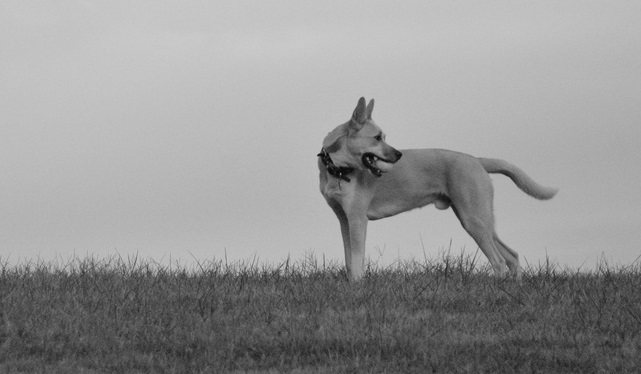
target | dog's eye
x=378, y=137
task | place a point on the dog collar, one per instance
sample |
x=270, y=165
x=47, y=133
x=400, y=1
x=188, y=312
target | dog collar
x=338, y=172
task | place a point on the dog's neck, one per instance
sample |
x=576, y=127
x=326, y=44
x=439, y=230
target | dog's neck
x=338, y=172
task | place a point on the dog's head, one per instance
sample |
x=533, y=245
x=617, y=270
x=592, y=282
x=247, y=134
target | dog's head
x=360, y=143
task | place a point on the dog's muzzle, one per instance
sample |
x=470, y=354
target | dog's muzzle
x=370, y=160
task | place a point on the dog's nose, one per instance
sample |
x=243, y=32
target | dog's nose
x=398, y=155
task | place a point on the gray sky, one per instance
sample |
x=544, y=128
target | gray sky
x=172, y=129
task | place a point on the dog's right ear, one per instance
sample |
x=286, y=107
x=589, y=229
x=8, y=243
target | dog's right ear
x=370, y=109
x=332, y=142
x=359, y=116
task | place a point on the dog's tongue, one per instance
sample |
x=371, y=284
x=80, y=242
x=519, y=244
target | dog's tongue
x=383, y=166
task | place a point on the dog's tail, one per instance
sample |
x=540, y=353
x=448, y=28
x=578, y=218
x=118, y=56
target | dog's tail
x=518, y=176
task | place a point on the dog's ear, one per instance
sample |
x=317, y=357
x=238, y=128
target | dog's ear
x=360, y=115
x=370, y=109
x=332, y=141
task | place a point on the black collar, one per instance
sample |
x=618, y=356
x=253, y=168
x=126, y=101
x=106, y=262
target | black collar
x=339, y=172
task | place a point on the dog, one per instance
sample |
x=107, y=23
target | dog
x=363, y=178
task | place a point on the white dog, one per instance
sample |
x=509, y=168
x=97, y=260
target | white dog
x=363, y=178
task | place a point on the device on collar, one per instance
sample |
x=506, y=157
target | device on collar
x=339, y=172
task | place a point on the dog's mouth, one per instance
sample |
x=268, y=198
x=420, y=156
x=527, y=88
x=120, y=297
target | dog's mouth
x=370, y=160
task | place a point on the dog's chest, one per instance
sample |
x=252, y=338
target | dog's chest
x=337, y=190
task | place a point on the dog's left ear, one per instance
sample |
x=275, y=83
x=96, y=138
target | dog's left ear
x=360, y=114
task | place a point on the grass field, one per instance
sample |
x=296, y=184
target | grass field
x=442, y=315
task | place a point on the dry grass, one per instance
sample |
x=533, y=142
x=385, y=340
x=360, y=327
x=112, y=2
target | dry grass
x=445, y=315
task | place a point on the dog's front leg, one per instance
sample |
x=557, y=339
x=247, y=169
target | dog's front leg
x=355, y=259
x=347, y=245
x=342, y=218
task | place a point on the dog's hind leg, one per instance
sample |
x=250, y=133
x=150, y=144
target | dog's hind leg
x=510, y=256
x=472, y=203
x=482, y=233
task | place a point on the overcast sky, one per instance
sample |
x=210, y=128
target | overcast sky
x=174, y=129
